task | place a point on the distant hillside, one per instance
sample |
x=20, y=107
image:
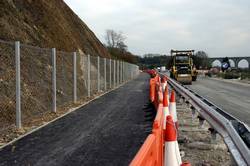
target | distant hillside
x=47, y=23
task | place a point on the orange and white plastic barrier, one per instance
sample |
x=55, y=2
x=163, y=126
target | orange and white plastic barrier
x=161, y=147
x=151, y=152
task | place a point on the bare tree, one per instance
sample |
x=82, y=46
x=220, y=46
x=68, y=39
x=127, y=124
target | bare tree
x=115, y=39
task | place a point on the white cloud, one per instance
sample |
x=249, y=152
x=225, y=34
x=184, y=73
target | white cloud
x=220, y=27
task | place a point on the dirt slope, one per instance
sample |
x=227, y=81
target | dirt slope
x=47, y=23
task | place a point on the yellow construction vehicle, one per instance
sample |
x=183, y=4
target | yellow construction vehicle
x=182, y=68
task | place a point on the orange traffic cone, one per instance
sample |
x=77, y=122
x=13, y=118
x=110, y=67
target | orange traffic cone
x=172, y=108
x=172, y=154
x=165, y=107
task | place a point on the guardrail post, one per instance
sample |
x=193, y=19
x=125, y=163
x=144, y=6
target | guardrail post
x=193, y=113
x=110, y=74
x=214, y=135
x=54, y=79
x=88, y=59
x=114, y=73
x=18, y=86
x=98, y=74
x=201, y=121
x=74, y=77
x=105, y=74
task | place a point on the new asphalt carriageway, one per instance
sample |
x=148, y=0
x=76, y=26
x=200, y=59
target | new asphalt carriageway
x=107, y=131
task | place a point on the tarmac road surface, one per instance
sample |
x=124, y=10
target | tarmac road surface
x=231, y=97
x=107, y=131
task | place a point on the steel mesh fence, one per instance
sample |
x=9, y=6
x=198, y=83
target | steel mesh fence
x=35, y=68
x=7, y=85
x=117, y=72
x=113, y=73
x=125, y=71
x=108, y=73
x=37, y=85
x=82, y=75
x=64, y=78
x=102, y=74
x=93, y=75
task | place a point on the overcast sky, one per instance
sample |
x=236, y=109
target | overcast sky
x=219, y=27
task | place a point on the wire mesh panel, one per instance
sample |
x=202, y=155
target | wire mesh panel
x=113, y=73
x=7, y=85
x=128, y=72
x=125, y=71
x=64, y=78
x=36, y=92
x=108, y=73
x=93, y=75
x=102, y=72
x=82, y=75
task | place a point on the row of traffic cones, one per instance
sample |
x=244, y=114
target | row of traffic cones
x=161, y=147
x=169, y=106
x=170, y=127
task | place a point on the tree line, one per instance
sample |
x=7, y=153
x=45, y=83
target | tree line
x=115, y=44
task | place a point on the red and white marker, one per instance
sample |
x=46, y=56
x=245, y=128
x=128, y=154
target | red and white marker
x=171, y=154
x=172, y=108
x=164, y=83
x=165, y=107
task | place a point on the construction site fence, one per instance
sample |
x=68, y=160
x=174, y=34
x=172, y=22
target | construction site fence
x=35, y=81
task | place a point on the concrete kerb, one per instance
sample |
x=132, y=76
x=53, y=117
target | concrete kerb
x=70, y=111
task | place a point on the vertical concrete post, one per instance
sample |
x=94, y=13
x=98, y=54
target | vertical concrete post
x=118, y=73
x=74, y=78
x=18, y=86
x=54, y=79
x=125, y=71
x=110, y=74
x=121, y=71
x=114, y=73
x=88, y=75
x=105, y=74
x=98, y=74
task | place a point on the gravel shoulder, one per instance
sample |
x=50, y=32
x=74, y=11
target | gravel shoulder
x=108, y=131
x=196, y=142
